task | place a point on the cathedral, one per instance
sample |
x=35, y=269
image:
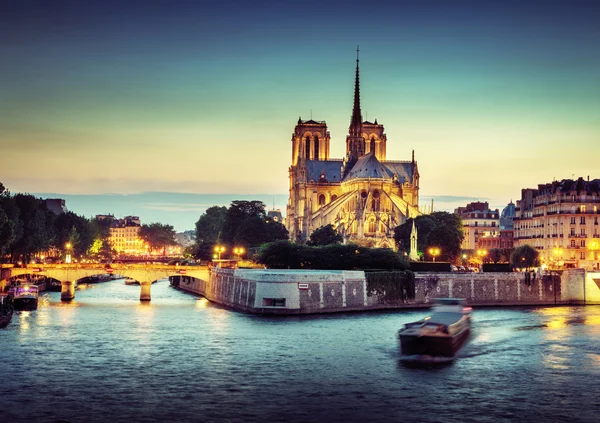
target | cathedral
x=364, y=196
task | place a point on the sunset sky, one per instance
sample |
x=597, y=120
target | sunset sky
x=126, y=97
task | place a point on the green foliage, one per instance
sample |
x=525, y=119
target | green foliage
x=525, y=257
x=237, y=213
x=210, y=225
x=391, y=287
x=37, y=226
x=325, y=235
x=157, y=235
x=73, y=229
x=284, y=254
x=440, y=229
x=495, y=255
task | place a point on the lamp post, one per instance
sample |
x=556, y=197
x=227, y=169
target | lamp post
x=238, y=251
x=482, y=254
x=68, y=252
x=435, y=251
x=219, y=249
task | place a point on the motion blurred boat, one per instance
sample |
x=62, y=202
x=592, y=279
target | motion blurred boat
x=25, y=297
x=439, y=335
x=6, y=310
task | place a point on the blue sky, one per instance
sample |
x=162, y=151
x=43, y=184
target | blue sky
x=114, y=97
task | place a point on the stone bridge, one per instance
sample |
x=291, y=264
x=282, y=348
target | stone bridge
x=69, y=274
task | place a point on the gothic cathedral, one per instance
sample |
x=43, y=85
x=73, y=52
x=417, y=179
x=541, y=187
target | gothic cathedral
x=364, y=196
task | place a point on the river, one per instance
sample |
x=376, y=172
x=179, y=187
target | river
x=107, y=357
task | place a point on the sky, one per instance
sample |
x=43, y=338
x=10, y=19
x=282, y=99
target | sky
x=107, y=100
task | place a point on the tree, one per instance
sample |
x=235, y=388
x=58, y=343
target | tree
x=495, y=255
x=440, y=229
x=210, y=225
x=325, y=235
x=38, y=227
x=236, y=214
x=446, y=239
x=158, y=236
x=525, y=257
x=75, y=230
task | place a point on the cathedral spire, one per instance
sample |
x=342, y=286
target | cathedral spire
x=356, y=121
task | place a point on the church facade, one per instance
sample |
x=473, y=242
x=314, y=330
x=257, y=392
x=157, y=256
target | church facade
x=364, y=195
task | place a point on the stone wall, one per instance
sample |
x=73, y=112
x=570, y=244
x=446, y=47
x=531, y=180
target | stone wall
x=312, y=291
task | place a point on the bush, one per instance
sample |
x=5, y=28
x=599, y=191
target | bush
x=430, y=266
x=284, y=254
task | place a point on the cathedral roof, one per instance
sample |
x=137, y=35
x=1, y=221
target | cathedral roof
x=324, y=170
x=403, y=170
x=368, y=166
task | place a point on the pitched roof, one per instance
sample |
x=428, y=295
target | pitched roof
x=404, y=170
x=368, y=166
x=330, y=169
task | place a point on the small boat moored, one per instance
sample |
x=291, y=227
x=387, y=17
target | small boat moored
x=6, y=310
x=25, y=297
x=439, y=336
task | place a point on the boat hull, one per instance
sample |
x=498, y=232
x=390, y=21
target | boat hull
x=435, y=346
x=25, y=303
x=5, y=320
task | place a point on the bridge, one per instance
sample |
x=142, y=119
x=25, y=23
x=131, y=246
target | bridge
x=69, y=274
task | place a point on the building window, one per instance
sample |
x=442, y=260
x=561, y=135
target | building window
x=493, y=224
x=321, y=200
x=583, y=209
x=573, y=220
x=371, y=225
x=307, y=147
x=375, y=201
x=572, y=243
x=582, y=255
x=316, y=155
x=582, y=220
x=582, y=231
x=372, y=147
x=273, y=302
x=572, y=231
x=582, y=243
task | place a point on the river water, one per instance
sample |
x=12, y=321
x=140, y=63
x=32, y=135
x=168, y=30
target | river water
x=107, y=357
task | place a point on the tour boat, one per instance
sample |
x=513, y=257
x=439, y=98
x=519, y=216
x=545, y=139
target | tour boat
x=25, y=297
x=439, y=335
x=6, y=310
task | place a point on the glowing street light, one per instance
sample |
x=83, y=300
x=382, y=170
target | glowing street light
x=68, y=252
x=219, y=249
x=482, y=254
x=238, y=251
x=435, y=251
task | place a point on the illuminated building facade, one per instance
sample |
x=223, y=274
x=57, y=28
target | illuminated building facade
x=561, y=220
x=364, y=196
x=124, y=236
x=481, y=226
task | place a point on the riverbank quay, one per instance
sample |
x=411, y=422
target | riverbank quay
x=289, y=292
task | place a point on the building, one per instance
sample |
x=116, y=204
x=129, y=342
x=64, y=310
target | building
x=56, y=205
x=364, y=195
x=124, y=236
x=560, y=219
x=481, y=226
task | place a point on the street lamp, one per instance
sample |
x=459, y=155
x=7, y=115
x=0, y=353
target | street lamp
x=68, y=252
x=238, y=251
x=434, y=252
x=219, y=249
x=482, y=254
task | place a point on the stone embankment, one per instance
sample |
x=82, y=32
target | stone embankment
x=310, y=291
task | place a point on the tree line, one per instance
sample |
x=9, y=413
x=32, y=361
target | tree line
x=28, y=229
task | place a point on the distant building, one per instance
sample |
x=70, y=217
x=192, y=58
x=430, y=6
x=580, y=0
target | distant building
x=124, y=236
x=56, y=205
x=560, y=219
x=186, y=238
x=276, y=216
x=481, y=226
